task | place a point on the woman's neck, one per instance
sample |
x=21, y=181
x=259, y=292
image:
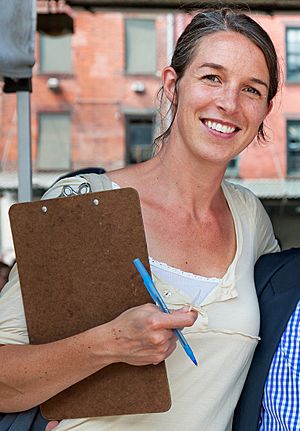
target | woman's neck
x=192, y=181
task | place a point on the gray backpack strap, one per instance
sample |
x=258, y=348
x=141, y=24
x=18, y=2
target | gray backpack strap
x=98, y=182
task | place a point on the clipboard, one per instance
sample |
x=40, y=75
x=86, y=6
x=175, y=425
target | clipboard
x=75, y=262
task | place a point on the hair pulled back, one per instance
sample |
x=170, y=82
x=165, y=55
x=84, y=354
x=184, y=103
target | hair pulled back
x=211, y=21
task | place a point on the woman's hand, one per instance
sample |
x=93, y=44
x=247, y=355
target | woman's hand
x=51, y=425
x=143, y=335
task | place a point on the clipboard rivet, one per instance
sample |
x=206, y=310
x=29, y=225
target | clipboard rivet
x=44, y=209
x=96, y=202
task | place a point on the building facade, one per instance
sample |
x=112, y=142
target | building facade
x=94, y=103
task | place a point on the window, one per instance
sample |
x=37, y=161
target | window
x=54, y=141
x=232, y=168
x=139, y=138
x=293, y=147
x=293, y=54
x=140, y=46
x=55, y=54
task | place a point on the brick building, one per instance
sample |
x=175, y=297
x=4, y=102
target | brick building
x=94, y=104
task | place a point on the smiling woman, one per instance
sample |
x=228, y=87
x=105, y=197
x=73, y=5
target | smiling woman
x=224, y=91
x=225, y=20
x=203, y=235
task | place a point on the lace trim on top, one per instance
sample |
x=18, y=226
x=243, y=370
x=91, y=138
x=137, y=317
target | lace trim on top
x=169, y=268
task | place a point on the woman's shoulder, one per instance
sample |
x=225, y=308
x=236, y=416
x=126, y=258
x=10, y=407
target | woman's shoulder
x=240, y=193
x=12, y=323
x=130, y=176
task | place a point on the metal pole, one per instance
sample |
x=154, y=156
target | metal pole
x=170, y=37
x=24, y=147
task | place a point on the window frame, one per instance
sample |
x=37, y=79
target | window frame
x=138, y=116
x=233, y=171
x=287, y=53
x=46, y=72
x=291, y=173
x=139, y=73
x=40, y=114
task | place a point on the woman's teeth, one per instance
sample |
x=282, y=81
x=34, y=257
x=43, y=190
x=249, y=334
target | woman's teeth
x=219, y=127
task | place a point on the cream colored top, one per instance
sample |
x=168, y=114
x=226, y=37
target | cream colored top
x=223, y=338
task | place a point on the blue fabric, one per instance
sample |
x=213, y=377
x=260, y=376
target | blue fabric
x=29, y=420
x=17, y=32
x=281, y=400
x=277, y=278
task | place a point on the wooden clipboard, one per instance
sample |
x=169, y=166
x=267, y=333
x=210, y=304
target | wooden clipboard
x=75, y=261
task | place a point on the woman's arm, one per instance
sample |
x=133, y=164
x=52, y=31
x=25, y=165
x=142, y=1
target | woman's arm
x=31, y=374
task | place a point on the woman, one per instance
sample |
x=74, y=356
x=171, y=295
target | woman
x=204, y=236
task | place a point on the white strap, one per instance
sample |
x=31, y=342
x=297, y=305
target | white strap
x=98, y=182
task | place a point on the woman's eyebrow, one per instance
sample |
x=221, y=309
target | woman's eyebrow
x=212, y=66
x=260, y=82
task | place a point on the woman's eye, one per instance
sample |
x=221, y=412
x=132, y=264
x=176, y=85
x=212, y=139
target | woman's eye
x=212, y=78
x=252, y=90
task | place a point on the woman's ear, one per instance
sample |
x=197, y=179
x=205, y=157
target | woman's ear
x=270, y=107
x=169, y=78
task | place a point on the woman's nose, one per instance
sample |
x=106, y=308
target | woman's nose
x=228, y=100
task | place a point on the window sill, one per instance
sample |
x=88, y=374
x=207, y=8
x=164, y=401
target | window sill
x=291, y=82
x=58, y=75
x=141, y=75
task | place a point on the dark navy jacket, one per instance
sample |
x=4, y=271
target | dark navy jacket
x=277, y=279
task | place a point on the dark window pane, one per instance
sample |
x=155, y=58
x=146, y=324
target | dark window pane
x=293, y=150
x=293, y=54
x=139, y=137
x=232, y=163
x=232, y=168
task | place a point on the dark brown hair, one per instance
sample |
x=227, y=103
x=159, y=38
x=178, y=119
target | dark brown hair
x=212, y=21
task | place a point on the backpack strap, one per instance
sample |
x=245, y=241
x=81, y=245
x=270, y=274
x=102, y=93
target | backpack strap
x=98, y=182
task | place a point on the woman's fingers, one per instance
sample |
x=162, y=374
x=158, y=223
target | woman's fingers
x=51, y=425
x=143, y=335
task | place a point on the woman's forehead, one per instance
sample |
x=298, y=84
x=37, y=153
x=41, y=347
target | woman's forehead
x=230, y=49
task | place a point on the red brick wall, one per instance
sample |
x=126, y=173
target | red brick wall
x=98, y=92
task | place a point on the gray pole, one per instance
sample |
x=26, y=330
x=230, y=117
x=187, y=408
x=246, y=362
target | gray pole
x=24, y=147
x=170, y=36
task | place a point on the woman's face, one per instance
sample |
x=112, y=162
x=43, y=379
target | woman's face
x=222, y=97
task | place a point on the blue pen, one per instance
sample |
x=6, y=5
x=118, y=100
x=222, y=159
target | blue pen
x=155, y=295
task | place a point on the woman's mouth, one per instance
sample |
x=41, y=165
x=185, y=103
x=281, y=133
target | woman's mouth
x=220, y=127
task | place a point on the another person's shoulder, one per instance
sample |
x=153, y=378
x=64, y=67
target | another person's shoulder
x=285, y=257
x=279, y=271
